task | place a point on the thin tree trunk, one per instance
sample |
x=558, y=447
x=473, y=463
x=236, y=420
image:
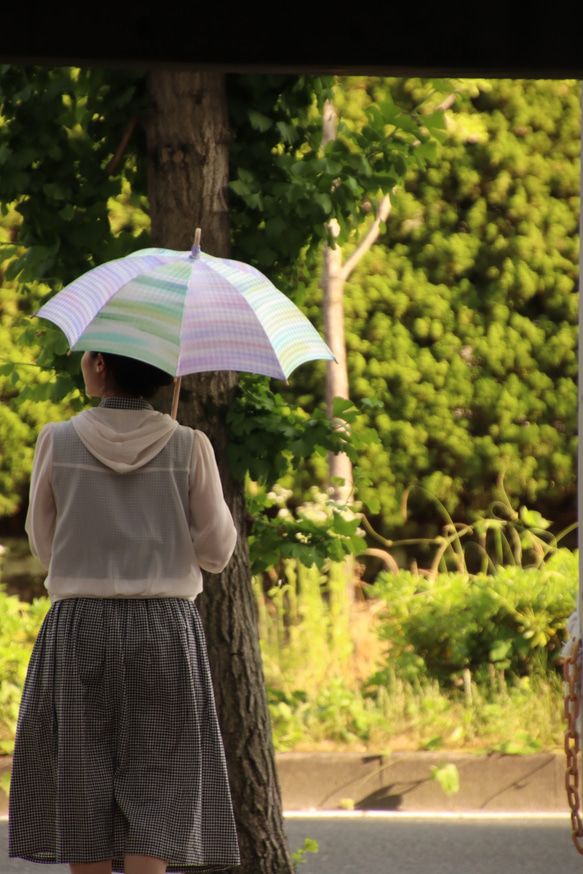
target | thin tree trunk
x=334, y=276
x=188, y=138
x=339, y=466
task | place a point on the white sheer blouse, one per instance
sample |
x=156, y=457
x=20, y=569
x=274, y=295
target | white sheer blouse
x=141, y=533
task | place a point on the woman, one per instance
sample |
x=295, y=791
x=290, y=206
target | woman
x=118, y=761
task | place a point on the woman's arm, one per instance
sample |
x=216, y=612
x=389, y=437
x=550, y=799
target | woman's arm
x=42, y=512
x=211, y=525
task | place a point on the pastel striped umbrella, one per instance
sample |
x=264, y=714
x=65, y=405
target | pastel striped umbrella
x=186, y=312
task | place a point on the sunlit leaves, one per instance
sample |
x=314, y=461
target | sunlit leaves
x=269, y=435
x=464, y=323
x=514, y=618
x=54, y=147
x=306, y=186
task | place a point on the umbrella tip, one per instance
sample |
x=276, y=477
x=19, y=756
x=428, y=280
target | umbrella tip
x=195, y=251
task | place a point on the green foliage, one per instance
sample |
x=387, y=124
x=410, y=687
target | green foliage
x=28, y=398
x=499, y=538
x=299, y=856
x=268, y=438
x=271, y=120
x=312, y=538
x=72, y=207
x=268, y=433
x=288, y=188
x=513, y=620
x=58, y=130
x=305, y=637
x=462, y=321
x=60, y=127
x=447, y=775
x=319, y=652
x=520, y=744
x=19, y=626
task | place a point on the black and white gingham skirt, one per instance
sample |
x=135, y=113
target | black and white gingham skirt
x=118, y=749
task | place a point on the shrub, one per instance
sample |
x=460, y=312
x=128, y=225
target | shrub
x=512, y=620
x=19, y=626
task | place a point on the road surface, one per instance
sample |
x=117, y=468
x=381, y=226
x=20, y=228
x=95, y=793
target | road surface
x=402, y=844
x=395, y=844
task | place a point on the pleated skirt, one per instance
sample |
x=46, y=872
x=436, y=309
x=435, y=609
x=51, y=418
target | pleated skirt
x=118, y=749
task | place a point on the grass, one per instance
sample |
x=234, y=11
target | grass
x=319, y=651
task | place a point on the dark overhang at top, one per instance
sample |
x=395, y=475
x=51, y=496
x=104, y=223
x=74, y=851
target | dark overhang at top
x=514, y=39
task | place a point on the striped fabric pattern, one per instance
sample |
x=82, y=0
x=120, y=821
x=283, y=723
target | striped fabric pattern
x=186, y=312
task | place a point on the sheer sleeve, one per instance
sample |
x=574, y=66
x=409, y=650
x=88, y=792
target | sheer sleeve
x=42, y=511
x=211, y=525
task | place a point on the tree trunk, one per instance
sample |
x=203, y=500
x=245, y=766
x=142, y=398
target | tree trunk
x=188, y=160
x=188, y=138
x=339, y=466
x=335, y=273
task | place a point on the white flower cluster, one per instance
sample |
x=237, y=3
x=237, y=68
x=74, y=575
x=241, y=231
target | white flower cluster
x=319, y=509
x=280, y=497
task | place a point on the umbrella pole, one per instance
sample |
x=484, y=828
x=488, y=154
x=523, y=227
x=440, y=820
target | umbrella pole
x=175, y=396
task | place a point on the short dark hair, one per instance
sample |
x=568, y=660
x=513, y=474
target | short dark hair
x=133, y=376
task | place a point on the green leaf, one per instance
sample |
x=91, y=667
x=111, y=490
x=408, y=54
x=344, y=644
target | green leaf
x=259, y=121
x=298, y=856
x=447, y=775
x=373, y=505
x=534, y=519
x=435, y=121
x=343, y=407
x=500, y=650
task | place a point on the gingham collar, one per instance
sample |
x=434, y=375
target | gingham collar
x=116, y=403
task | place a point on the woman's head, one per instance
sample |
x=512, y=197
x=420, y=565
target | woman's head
x=106, y=374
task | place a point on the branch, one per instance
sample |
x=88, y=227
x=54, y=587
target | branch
x=446, y=102
x=329, y=123
x=366, y=243
x=122, y=146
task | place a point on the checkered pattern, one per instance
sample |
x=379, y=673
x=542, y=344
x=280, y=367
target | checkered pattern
x=115, y=403
x=118, y=747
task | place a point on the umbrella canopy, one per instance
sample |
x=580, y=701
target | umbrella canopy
x=186, y=312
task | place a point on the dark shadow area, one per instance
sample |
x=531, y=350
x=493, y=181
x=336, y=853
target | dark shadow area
x=382, y=799
x=455, y=39
x=520, y=783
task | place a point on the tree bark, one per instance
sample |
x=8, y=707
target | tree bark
x=188, y=138
x=188, y=160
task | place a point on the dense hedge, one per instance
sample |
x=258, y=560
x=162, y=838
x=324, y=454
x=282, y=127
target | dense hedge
x=513, y=620
x=462, y=322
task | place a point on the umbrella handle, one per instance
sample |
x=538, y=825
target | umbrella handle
x=175, y=396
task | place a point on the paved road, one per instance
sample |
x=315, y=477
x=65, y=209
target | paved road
x=402, y=845
x=422, y=845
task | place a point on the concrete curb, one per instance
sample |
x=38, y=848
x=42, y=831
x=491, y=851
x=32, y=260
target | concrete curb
x=402, y=782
